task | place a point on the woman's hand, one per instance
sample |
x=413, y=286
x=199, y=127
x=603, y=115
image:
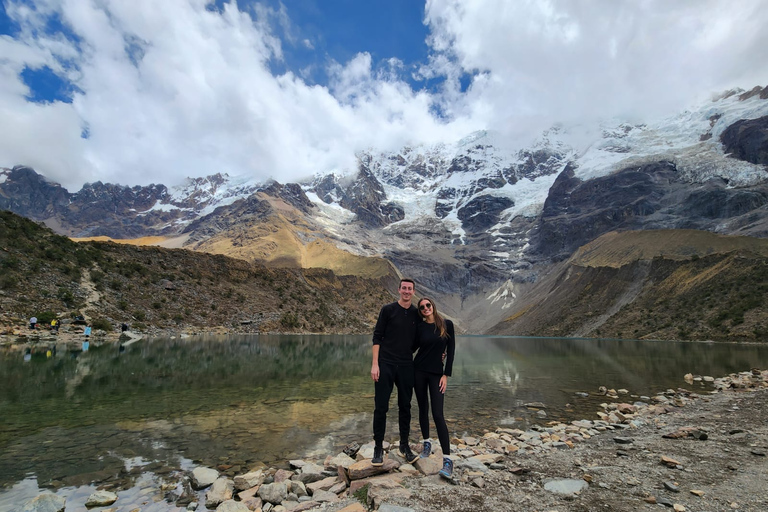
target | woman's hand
x=443, y=383
x=375, y=372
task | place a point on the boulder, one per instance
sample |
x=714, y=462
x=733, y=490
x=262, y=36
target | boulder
x=429, y=465
x=220, y=491
x=274, y=493
x=248, y=480
x=203, y=477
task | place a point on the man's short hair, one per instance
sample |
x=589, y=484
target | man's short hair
x=406, y=280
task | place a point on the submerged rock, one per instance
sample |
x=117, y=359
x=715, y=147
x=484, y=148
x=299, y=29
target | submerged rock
x=44, y=503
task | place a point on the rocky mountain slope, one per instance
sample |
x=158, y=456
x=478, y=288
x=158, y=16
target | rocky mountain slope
x=476, y=222
x=661, y=284
x=45, y=274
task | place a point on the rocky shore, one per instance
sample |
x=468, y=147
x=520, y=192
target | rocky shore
x=681, y=450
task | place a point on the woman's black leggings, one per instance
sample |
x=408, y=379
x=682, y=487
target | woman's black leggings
x=427, y=387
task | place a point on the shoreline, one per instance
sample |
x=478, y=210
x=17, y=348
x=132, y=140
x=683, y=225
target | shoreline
x=635, y=455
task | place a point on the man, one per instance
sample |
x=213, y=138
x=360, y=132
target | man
x=394, y=340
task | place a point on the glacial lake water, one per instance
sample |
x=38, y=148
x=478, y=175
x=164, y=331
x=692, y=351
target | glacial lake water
x=75, y=418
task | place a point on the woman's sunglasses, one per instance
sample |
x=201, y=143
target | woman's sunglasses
x=425, y=306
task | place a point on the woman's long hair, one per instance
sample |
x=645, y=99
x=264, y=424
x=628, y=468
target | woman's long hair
x=439, y=322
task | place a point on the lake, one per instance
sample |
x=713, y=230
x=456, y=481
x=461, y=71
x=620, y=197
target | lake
x=76, y=418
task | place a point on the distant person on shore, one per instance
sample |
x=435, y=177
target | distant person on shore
x=123, y=327
x=435, y=338
x=33, y=323
x=394, y=339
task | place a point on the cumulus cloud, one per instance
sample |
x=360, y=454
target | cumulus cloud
x=561, y=60
x=171, y=89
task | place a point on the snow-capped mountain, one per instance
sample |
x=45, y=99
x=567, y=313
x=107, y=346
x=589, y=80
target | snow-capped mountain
x=475, y=220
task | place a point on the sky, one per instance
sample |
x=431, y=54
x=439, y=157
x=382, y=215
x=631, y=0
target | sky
x=152, y=91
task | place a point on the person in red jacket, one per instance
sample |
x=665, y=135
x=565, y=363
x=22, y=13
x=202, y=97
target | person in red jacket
x=435, y=337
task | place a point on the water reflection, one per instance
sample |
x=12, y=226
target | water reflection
x=248, y=399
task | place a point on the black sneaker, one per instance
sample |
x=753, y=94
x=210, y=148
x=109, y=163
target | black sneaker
x=378, y=456
x=407, y=454
x=426, y=449
x=447, y=470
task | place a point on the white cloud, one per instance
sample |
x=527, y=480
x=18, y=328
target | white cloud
x=170, y=89
x=560, y=59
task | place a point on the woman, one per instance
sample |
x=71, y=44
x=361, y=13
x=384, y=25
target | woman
x=435, y=337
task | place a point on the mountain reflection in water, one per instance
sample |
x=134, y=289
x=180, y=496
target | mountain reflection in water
x=241, y=400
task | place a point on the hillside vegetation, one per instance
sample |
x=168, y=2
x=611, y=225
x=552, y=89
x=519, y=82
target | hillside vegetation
x=43, y=274
x=664, y=284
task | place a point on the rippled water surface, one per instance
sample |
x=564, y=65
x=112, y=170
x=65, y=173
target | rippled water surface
x=109, y=415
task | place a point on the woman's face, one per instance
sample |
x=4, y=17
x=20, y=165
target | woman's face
x=426, y=308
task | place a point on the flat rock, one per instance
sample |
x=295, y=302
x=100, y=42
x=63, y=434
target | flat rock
x=386, y=507
x=471, y=464
x=566, y=486
x=44, y=503
x=322, y=485
x=355, y=507
x=488, y=458
x=341, y=459
x=364, y=468
x=324, y=497
x=101, y=499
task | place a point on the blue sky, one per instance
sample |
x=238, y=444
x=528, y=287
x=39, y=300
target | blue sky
x=147, y=91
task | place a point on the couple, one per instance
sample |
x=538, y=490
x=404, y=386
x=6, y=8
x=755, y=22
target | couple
x=399, y=331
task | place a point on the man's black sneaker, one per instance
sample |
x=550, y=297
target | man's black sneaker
x=426, y=449
x=447, y=470
x=378, y=456
x=407, y=454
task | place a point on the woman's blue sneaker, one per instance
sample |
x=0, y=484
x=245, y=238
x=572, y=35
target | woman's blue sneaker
x=426, y=449
x=447, y=470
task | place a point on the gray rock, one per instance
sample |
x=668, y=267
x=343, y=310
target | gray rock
x=232, y=506
x=220, y=491
x=203, y=477
x=671, y=487
x=623, y=440
x=471, y=464
x=274, y=493
x=566, y=486
x=192, y=506
x=44, y=503
x=324, y=496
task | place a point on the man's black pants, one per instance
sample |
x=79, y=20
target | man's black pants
x=393, y=375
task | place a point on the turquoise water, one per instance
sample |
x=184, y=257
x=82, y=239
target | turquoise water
x=105, y=416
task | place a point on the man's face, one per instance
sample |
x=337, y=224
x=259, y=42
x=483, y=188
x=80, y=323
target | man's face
x=406, y=291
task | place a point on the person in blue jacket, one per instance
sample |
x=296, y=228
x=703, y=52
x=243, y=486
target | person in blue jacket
x=435, y=337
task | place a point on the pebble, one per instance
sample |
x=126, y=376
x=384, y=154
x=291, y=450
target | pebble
x=671, y=487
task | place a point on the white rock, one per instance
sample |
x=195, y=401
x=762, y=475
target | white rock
x=101, y=499
x=203, y=477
